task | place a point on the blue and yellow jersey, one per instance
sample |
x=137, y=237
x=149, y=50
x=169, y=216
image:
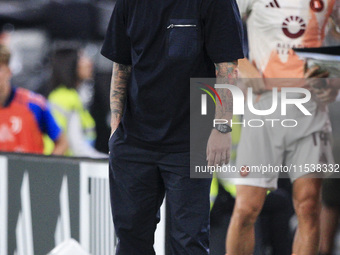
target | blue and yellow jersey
x=64, y=102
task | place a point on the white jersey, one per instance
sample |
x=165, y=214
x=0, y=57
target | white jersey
x=277, y=26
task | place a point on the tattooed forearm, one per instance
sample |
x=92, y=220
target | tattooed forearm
x=226, y=73
x=119, y=81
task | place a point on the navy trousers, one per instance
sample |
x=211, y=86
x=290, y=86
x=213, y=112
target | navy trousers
x=139, y=179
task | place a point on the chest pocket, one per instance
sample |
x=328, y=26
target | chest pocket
x=183, y=38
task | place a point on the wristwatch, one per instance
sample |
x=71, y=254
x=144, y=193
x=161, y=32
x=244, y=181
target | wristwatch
x=223, y=128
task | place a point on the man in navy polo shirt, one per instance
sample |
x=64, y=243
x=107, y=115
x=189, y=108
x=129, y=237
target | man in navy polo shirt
x=156, y=47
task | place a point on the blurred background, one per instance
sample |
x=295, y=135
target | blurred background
x=32, y=29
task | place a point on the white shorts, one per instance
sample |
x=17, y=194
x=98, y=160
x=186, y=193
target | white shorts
x=264, y=152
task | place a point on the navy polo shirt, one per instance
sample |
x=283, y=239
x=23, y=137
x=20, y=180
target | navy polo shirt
x=167, y=42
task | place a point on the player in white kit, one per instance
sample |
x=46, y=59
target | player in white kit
x=274, y=28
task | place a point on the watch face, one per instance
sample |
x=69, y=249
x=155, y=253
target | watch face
x=223, y=128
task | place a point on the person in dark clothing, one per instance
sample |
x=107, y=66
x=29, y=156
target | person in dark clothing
x=156, y=47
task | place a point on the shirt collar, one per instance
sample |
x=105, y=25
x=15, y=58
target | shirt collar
x=10, y=98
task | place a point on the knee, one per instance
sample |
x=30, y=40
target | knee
x=246, y=214
x=306, y=196
x=308, y=207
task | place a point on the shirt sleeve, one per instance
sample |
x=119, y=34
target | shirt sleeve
x=50, y=126
x=46, y=121
x=223, y=31
x=117, y=45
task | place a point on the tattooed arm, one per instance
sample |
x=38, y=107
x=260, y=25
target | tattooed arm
x=219, y=144
x=226, y=73
x=120, y=77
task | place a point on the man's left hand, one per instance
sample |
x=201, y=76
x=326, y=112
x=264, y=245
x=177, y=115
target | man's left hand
x=326, y=95
x=218, y=148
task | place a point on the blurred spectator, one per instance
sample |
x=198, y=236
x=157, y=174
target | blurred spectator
x=3, y=37
x=274, y=29
x=25, y=116
x=273, y=235
x=331, y=187
x=329, y=215
x=333, y=31
x=69, y=69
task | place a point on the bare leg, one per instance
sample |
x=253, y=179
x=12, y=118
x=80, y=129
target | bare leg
x=328, y=226
x=248, y=205
x=306, y=197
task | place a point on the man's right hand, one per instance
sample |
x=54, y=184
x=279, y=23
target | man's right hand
x=114, y=125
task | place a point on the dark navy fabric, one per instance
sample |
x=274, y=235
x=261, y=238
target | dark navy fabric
x=183, y=38
x=139, y=179
x=168, y=42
